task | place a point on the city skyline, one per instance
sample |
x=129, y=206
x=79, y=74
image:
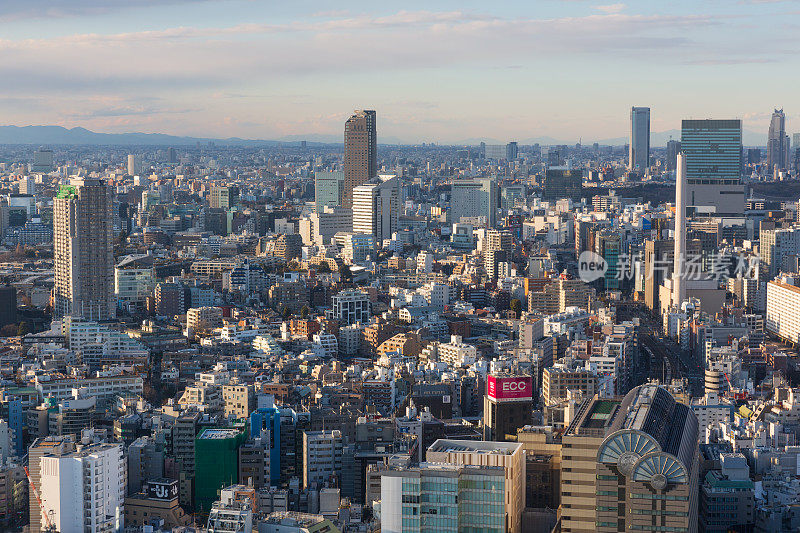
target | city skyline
x=460, y=72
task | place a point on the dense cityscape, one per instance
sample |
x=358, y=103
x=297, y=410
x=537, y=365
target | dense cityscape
x=362, y=337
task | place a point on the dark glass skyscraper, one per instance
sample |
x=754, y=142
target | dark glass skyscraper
x=713, y=149
x=777, y=142
x=639, y=154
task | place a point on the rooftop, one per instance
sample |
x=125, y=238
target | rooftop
x=218, y=433
x=469, y=446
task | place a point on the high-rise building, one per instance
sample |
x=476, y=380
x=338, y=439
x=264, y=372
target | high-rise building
x=609, y=246
x=320, y=227
x=51, y=446
x=777, y=142
x=447, y=496
x=713, y=153
x=328, y=189
x=473, y=198
x=134, y=165
x=673, y=147
x=27, y=185
x=223, y=197
x=172, y=156
x=82, y=250
x=498, y=152
x=216, y=463
x=647, y=467
x=376, y=209
x=145, y=462
x=507, y=457
x=779, y=248
x=360, y=153
x=183, y=449
x=497, y=249
x=639, y=148
x=84, y=489
x=783, y=299
x=657, y=264
x=322, y=456
x=507, y=405
x=562, y=183
x=42, y=161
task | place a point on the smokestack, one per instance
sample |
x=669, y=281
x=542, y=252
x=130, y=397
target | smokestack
x=679, y=283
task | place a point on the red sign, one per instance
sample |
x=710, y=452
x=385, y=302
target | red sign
x=509, y=387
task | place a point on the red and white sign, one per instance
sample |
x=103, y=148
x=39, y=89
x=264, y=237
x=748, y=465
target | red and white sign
x=509, y=387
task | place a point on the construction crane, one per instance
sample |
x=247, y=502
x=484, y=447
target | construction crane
x=51, y=528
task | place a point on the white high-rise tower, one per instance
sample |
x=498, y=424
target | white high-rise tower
x=679, y=284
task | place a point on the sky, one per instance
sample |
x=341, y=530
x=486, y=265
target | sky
x=444, y=71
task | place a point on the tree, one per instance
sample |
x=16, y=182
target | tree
x=286, y=313
x=516, y=306
x=23, y=329
x=323, y=268
x=304, y=311
x=346, y=274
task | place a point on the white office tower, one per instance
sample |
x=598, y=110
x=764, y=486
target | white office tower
x=474, y=198
x=679, y=284
x=376, y=208
x=83, y=251
x=133, y=165
x=84, y=490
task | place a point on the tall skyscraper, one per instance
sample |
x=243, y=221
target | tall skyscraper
x=133, y=165
x=777, y=143
x=639, y=149
x=673, y=147
x=82, y=250
x=713, y=153
x=376, y=209
x=360, y=153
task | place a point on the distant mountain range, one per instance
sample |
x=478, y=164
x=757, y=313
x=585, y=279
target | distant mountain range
x=61, y=135
x=74, y=136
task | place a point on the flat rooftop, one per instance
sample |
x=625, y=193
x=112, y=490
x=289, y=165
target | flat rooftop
x=471, y=446
x=218, y=433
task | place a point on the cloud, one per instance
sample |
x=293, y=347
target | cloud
x=284, y=74
x=13, y=10
x=731, y=61
x=611, y=8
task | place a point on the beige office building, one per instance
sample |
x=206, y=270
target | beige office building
x=579, y=446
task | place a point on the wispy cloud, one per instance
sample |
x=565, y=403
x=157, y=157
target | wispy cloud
x=611, y=8
x=14, y=10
